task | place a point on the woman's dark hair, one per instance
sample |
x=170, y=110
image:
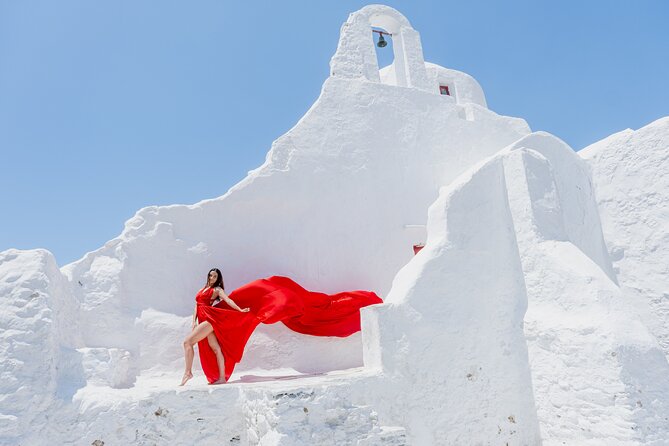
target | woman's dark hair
x=219, y=280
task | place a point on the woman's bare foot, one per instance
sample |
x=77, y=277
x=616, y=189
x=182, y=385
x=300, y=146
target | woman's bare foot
x=220, y=380
x=187, y=376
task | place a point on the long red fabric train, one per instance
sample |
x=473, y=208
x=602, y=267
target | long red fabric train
x=272, y=300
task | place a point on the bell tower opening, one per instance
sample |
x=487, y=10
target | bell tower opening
x=385, y=56
x=388, y=42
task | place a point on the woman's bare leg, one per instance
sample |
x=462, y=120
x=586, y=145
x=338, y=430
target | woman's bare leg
x=220, y=360
x=200, y=332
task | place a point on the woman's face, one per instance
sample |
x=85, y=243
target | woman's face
x=213, y=276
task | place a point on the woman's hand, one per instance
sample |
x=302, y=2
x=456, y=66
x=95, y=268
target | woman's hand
x=245, y=310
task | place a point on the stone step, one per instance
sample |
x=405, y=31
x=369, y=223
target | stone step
x=314, y=415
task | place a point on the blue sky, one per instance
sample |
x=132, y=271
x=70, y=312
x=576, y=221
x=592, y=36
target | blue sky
x=107, y=107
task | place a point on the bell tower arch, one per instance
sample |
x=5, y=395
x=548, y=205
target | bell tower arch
x=355, y=57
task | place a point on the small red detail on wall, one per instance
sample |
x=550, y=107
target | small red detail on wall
x=443, y=89
x=417, y=248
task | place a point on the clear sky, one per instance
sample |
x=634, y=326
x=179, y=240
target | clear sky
x=107, y=107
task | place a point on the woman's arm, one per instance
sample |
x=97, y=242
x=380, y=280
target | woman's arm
x=221, y=294
x=194, y=317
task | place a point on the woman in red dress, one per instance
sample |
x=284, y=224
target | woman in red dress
x=212, y=292
x=227, y=322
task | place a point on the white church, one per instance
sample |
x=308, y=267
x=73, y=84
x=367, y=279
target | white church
x=525, y=289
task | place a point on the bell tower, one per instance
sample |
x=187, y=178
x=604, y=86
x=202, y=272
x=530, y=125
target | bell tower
x=355, y=57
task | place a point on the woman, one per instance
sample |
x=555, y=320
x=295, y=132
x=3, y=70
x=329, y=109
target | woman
x=227, y=322
x=212, y=292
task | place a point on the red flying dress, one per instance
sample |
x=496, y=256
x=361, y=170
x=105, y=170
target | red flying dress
x=272, y=300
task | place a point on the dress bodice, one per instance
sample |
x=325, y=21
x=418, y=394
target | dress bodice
x=203, y=297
